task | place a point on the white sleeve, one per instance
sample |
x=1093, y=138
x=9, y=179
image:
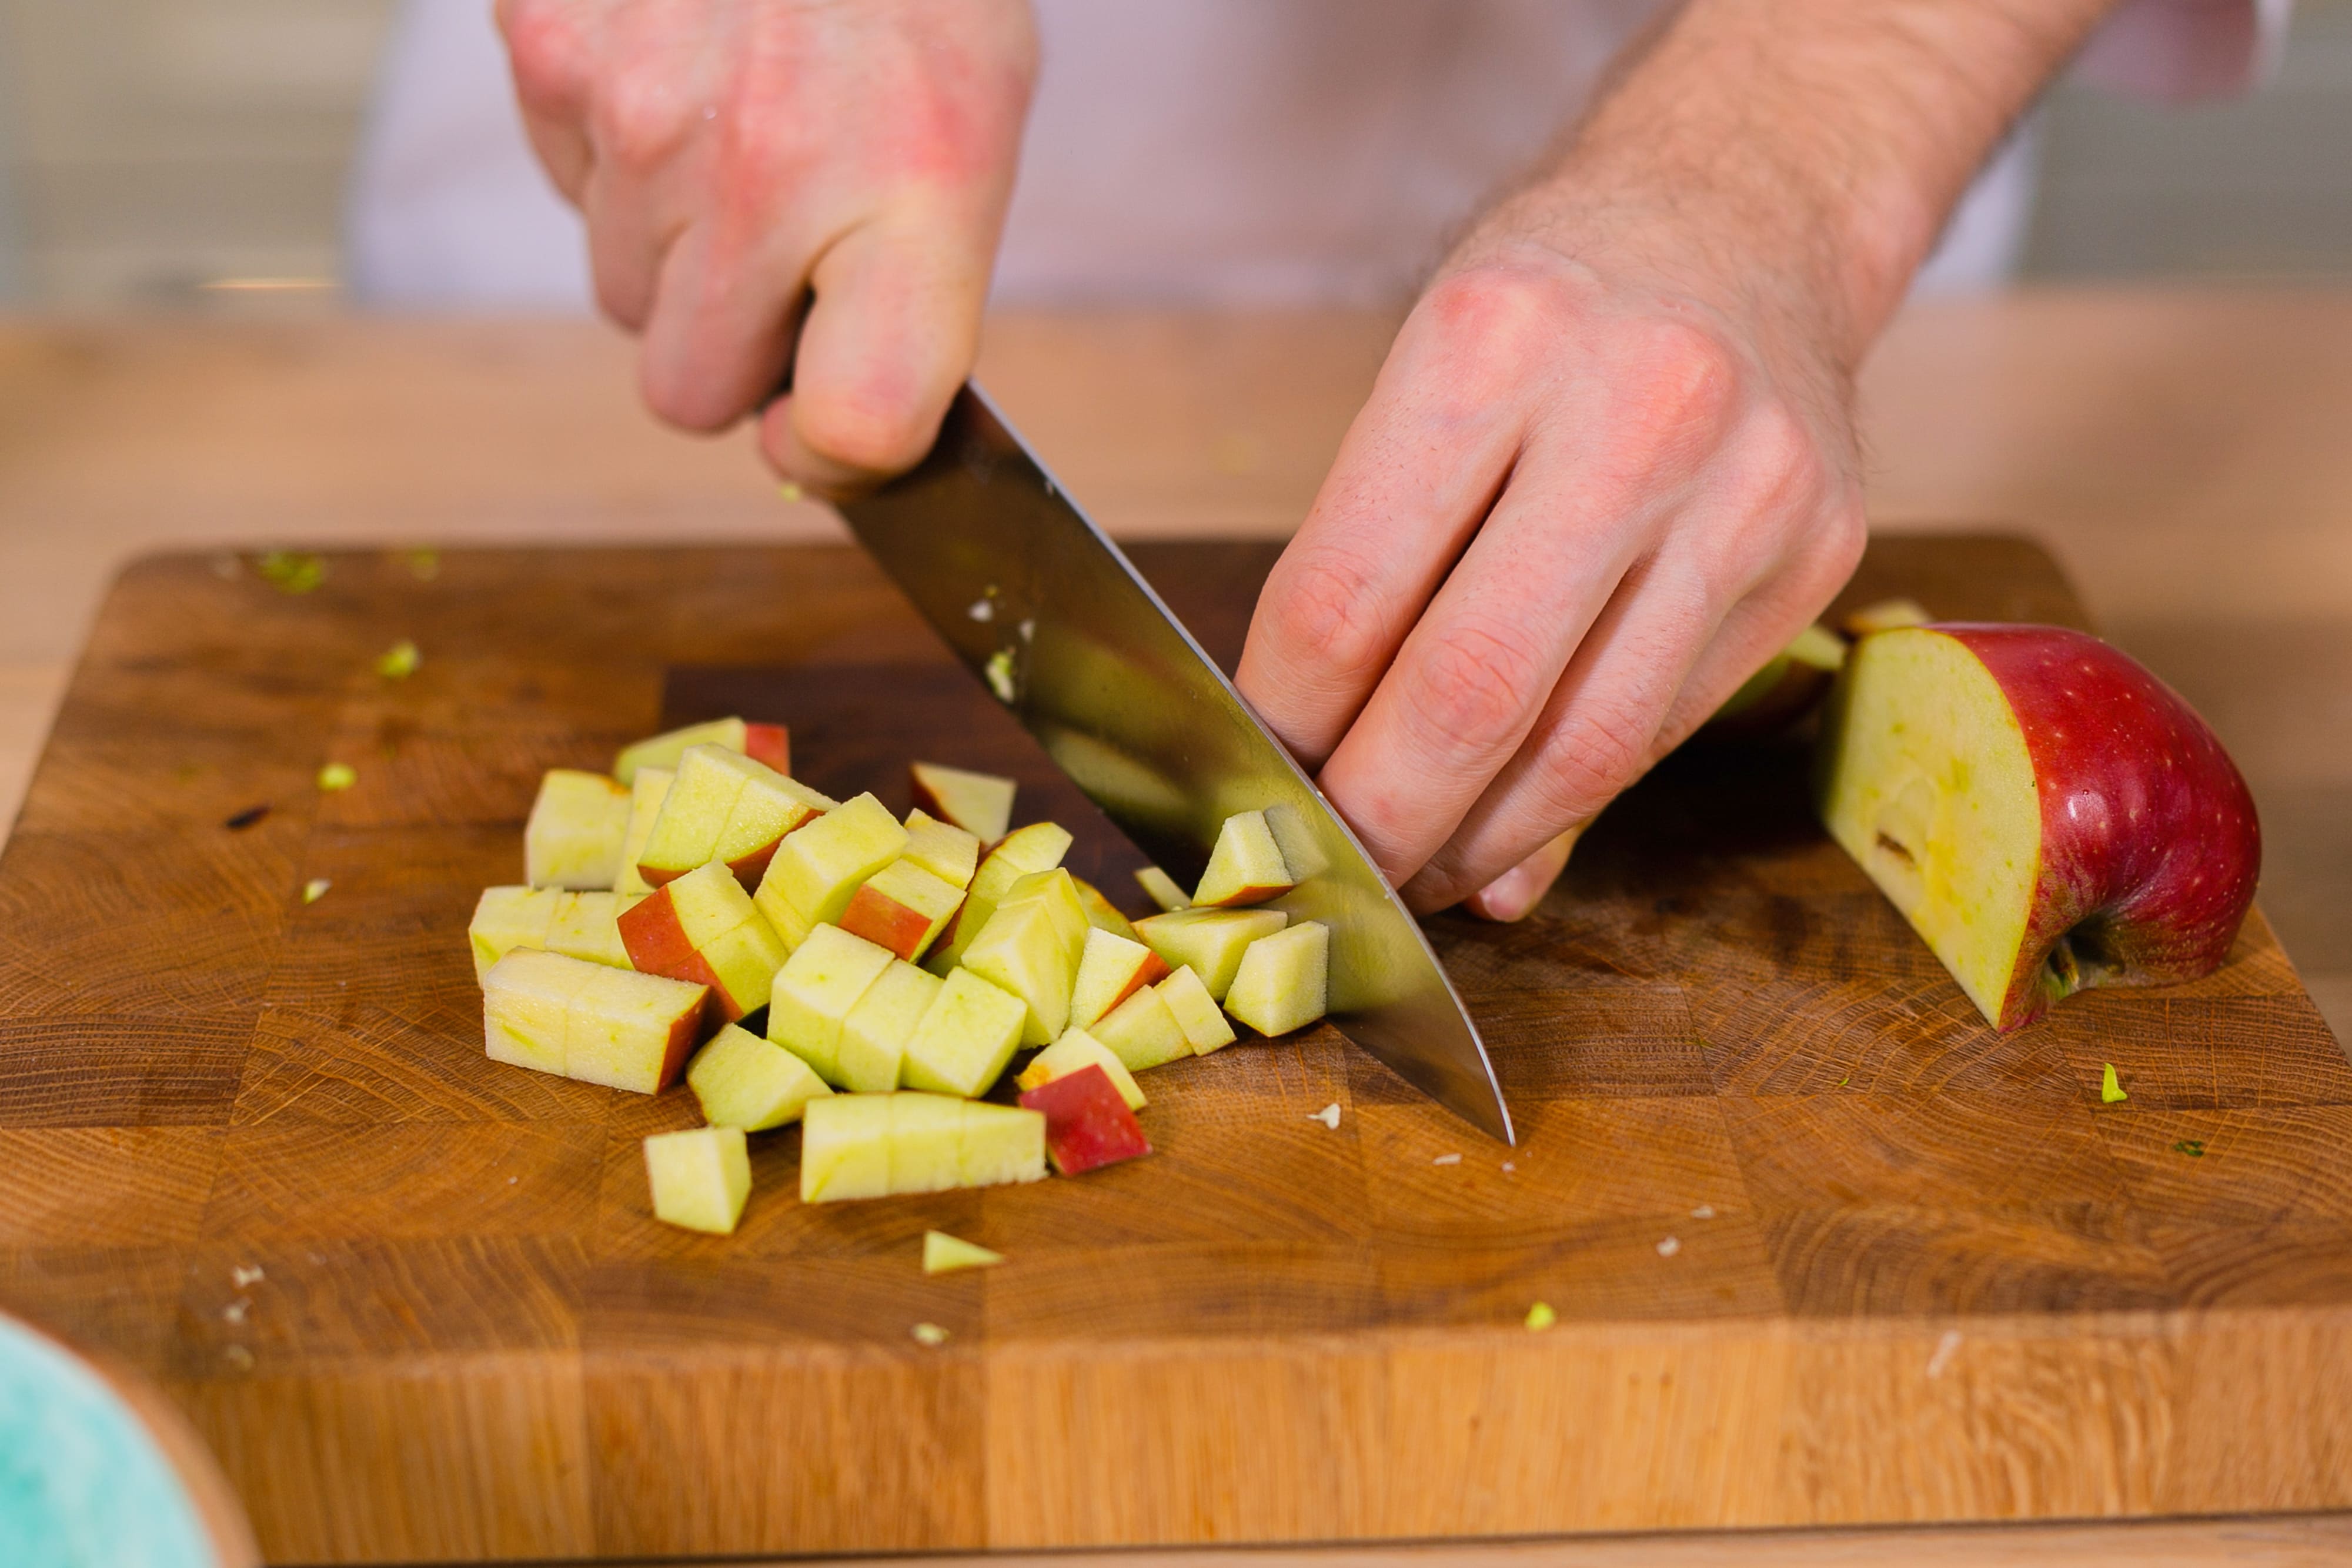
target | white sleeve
x=2182, y=51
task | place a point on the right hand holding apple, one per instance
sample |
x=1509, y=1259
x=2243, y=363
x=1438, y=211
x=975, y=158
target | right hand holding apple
x=738, y=162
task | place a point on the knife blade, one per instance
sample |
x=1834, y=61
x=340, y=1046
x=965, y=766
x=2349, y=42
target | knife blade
x=1040, y=604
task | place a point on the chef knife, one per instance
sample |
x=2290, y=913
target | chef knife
x=1047, y=611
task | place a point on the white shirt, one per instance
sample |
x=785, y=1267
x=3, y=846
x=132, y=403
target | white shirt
x=1218, y=152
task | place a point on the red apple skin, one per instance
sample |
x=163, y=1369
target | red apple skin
x=749, y=869
x=1088, y=1126
x=686, y=1034
x=885, y=923
x=1151, y=972
x=722, y=1008
x=2150, y=847
x=657, y=943
x=771, y=743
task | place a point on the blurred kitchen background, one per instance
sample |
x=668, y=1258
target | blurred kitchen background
x=190, y=154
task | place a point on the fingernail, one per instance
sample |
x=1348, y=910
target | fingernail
x=1511, y=896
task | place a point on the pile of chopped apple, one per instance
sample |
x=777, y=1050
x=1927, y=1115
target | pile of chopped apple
x=802, y=959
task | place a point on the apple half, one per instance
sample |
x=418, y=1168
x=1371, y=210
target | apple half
x=700, y=1178
x=573, y=838
x=1088, y=1124
x=702, y=927
x=767, y=743
x=979, y=803
x=2046, y=814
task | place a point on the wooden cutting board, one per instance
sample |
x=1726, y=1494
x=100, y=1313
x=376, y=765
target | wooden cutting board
x=1823, y=1248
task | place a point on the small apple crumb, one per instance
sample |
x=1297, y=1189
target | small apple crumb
x=1669, y=1247
x=930, y=1336
x=999, y=676
x=1328, y=1115
x=337, y=776
x=315, y=889
x=292, y=571
x=1540, y=1317
x=1446, y=1160
x=2110, y=1090
x=242, y=1276
x=1704, y=1211
x=235, y=1311
x=983, y=610
x=398, y=661
x=237, y=1356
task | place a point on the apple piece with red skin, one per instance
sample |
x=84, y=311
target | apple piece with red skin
x=766, y=743
x=1283, y=982
x=1246, y=867
x=702, y=928
x=944, y=850
x=902, y=907
x=1211, y=941
x=589, y=1021
x=723, y=806
x=2047, y=814
x=1101, y=913
x=1111, y=969
x=819, y=869
x=979, y=803
x=1087, y=1123
x=578, y=821
x=1074, y=1050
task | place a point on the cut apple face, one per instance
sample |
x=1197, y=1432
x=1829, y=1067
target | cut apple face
x=979, y=803
x=874, y=1037
x=879, y=1145
x=1076, y=1051
x=1282, y=981
x=1210, y=941
x=1111, y=969
x=1021, y=951
x=819, y=869
x=902, y=907
x=1089, y=1124
x=1195, y=1011
x=703, y=928
x=1246, y=867
x=944, y=850
x=1883, y=615
x=1057, y=891
x=506, y=918
x=1024, y=852
x=965, y=1039
x=814, y=991
x=742, y=1081
x=724, y=807
x=573, y=838
x=1101, y=913
x=2045, y=814
x=588, y=1021
x=700, y=1178
x=1161, y=889
x=765, y=743
x=1143, y=1033
x=645, y=797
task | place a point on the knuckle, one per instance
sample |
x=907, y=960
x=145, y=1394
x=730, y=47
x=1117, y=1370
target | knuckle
x=1325, y=615
x=1477, y=685
x=1682, y=382
x=862, y=432
x=1782, y=464
x=1603, y=749
x=640, y=120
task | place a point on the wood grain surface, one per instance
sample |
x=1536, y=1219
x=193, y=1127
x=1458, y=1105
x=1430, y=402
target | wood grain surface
x=1934, y=1279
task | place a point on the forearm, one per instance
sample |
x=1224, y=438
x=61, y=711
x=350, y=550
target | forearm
x=1808, y=149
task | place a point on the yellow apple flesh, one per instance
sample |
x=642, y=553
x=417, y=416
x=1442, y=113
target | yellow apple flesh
x=965, y=1039
x=814, y=991
x=1246, y=867
x=872, y=1049
x=819, y=869
x=1210, y=941
x=1074, y=1052
x=574, y=837
x=742, y=1081
x=979, y=803
x=700, y=1178
x=1281, y=983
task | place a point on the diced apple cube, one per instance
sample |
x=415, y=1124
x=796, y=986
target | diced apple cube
x=767, y=743
x=902, y=907
x=1101, y=913
x=742, y=1081
x=874, y=1036
x=1024, y=852
x=815, y=990
x=1211, y=941
x=645, y=797
x=1001, y=1145
x=819, y=869
x=574, y=837
x=944, y=850
x=588, y=1021
x=702, y=927
x=587, y=925
x=723, y=806
x=1089, y=1124
x=845, y=1147
x=965, y=1038
x=1195, y=1011
x=1074, y=1050
x=926, y=1134
x=1142, y=1032
x=1020, y=951
x=699, y=1178
x=1161, y=889
x=1247, y=866
x=1111, y=969
x=979, y=803
x=506, y=918
x=1282, y=980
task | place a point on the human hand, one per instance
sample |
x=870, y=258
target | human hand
x=738, y=159
x=1602, y=476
